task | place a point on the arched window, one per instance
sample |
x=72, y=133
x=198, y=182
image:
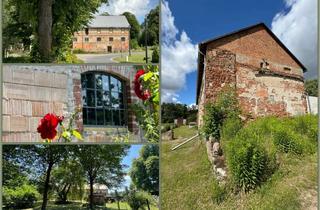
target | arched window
x=103, y=98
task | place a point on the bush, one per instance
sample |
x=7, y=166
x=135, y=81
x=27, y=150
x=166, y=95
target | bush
x=134, y=44
x=248, y=163
x=287, y=142
x=225, y=106
x=230, y=128
x=155, y=55
x=137, y=200
x=20, y=197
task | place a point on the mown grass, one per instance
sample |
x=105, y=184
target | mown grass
x=184, y=132
x=80, y=205
x=135, y=58
x=188, y=183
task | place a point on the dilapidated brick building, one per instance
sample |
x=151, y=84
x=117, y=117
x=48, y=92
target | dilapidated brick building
x=109, y=34
x=267, y=77
x=103, y=92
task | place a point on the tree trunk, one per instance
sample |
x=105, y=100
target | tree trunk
x=91, y=193
x=45, y=29
x=46, y=187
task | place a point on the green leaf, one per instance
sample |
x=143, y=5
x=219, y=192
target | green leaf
x=77, y=134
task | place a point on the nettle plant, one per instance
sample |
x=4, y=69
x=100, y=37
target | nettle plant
x=51, y=128
x=146, y=87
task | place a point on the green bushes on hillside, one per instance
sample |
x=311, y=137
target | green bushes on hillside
x=251, y=151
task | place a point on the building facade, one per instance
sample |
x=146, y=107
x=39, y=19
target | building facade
x=108, y=34
x=103, y=93
x=267, y=77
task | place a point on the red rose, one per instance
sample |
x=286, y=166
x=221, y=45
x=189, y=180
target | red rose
x=138, y=89
x=47, y=126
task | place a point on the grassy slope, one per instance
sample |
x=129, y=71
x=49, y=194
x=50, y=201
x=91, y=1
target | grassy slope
x=187, y=182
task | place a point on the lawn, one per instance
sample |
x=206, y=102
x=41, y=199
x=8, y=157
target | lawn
x=80, y=205
x=187, y=181
x=136, y=57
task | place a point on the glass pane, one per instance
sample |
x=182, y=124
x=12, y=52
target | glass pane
x=83, y=81
x=100, y=117
x=84, y=97
x=98, y=81
x=89, y=80
x=90, y=98
x=84, y=116
x=91, y=116
x=115, y=100
x=106, y=98
x=122, y=118
x=99, y=98
x=121, y=102
x=114, y=84
x=105, y=81
x=115, y=116
x=108, y=119
x=120, y=86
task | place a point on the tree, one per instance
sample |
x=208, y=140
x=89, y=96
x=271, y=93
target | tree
x=171, y=111
x=312, y=87
x=144, y=172
x=66, y=176
x=135, y=27
x=52, y=22
x=102, y=164
x=152, y=30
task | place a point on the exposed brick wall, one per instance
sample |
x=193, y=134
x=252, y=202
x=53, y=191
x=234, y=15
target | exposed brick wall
x=29, y=92
x=236, y=60
x=104, y=33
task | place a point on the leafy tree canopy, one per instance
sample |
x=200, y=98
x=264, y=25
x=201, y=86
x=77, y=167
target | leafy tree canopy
x=312, y=87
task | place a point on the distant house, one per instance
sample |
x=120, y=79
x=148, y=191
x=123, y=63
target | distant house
x=100, y=193
x=104, y=34
x=267, y=77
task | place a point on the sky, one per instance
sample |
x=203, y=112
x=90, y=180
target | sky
x=127, y=160
x=184, y=25
x=138, y=7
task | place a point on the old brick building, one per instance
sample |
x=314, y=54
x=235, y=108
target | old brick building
x=103, y=92
x=267, y=77
x=104, y=34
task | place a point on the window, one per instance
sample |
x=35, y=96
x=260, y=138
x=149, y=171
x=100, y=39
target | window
x=75, y=39
x=99, y=30
x=87, y=31
x=122, y=30
x=98, y=39
x=123, y=39
x=86, y=39
x=110, y=39
x=103, y=100
x=287, y=68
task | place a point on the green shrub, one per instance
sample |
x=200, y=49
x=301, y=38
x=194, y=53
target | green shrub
x=230, y=128
x=134, y=44
x=219, y=193
x=306, y=125
x=20, y=197
x=286, y=141
x=155, y=55
x=137, y=200
x=248, y=163
x=225, y=106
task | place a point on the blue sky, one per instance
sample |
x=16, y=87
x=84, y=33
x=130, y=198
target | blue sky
x=191, y=23
x=132, y=154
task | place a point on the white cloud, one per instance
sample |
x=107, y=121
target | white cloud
x=138, y=7
x=178, y=56
x=297, y=29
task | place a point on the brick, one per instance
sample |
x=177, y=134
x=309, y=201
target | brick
x=59, y=95
x=6, y=123
x=15, y=91
x=15, y=106
x=26, y=108
x=43, y=78
x=39, y=109
x=40, y=93
x=19, y=124
x=7, y=74
x=22, y=76
x=60, y=80
x=58, y=108
x=33, y=123
x=5, y=106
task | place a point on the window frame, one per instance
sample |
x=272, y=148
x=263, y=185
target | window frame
x=103, y=107
x=99, y=39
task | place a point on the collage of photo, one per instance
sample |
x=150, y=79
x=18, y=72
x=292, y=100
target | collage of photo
x=159, y=105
